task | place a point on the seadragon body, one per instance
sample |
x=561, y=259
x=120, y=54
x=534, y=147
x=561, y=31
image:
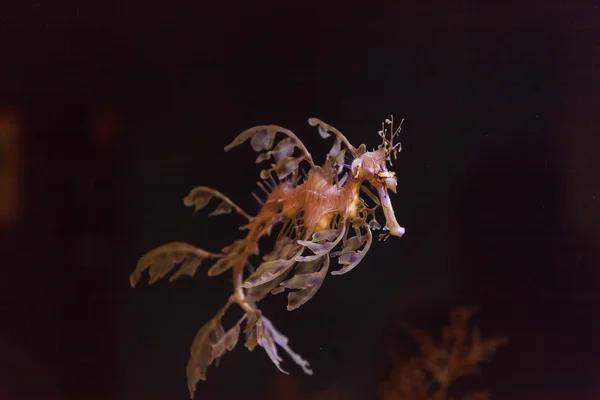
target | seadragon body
x=317, y=212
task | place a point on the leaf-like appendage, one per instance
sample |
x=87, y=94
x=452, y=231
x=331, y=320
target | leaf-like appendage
x=268, y=271
x=322, y=127
x=200, y=196
x=325, y=131
x=188, y=268
x=161, y=260
x=227, y=342
x=335, y=158
x=327, y=235
x=338, y=161
x=229, y=260
x=286, y=166
x=250, y=331
x=351, y=258
x=283, y=168
x=269, y=338
x=284, y=248
x=258, y=292
x=224, y=264
x=222, y=208
x=261, y=137
x=320, y=249
x=285, y=148
x=308, y=279
x=374, y=225
x=201, y=352
x=351, y=244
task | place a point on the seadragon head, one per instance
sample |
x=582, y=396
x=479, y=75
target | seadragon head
x=372, y=166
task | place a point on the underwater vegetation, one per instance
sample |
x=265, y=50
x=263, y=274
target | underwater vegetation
x=323, y=212
x=429, y=375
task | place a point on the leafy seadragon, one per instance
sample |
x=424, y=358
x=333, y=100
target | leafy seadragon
x=317, y=212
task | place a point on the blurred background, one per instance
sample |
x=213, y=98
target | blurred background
x=110, y=112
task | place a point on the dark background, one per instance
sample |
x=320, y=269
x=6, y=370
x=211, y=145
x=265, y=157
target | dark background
x=126, y=106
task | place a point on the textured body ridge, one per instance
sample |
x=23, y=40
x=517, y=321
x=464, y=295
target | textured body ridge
x=319, y=215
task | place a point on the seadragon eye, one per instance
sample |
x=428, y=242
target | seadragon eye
x=388, y=179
